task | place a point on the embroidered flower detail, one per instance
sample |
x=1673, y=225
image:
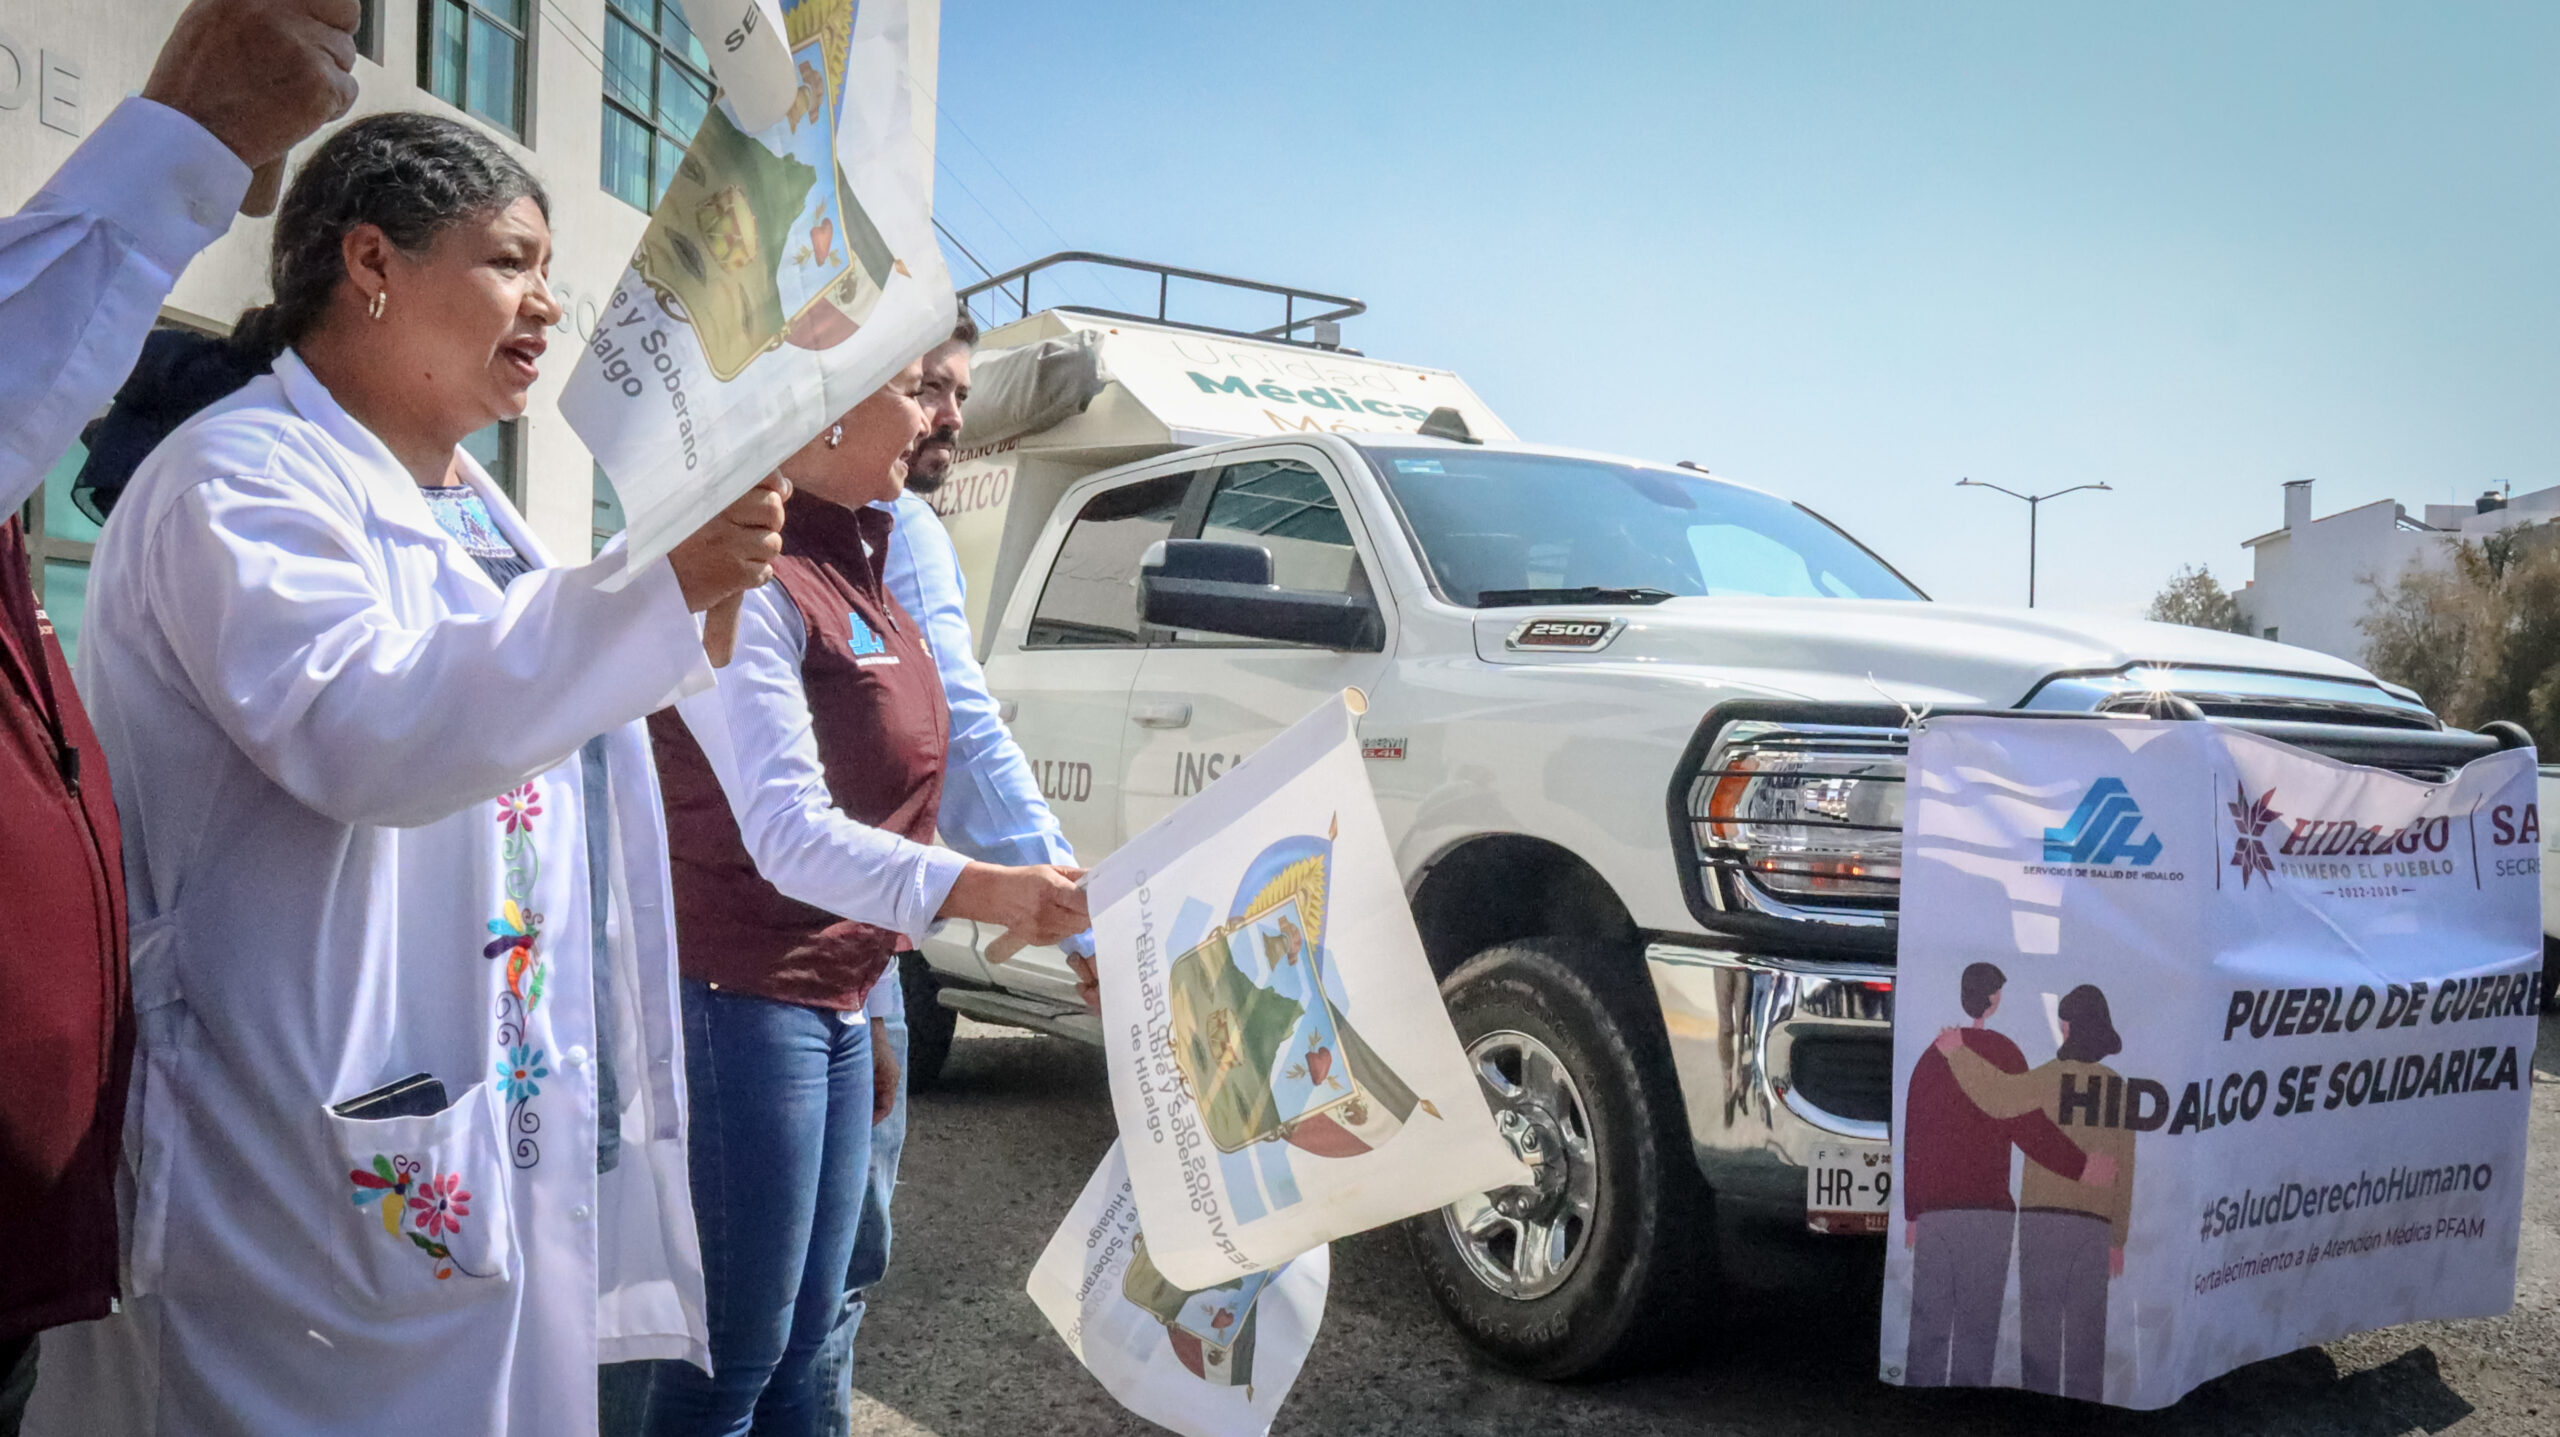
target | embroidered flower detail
x=517, y=931
x=440, y=1205
x=433, y=1207
x=516, y=936
x=388, y=1184
x=517, y=1072
x=518, y=809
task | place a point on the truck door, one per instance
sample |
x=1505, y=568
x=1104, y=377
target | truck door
x=1067, y=682
x=1203, y=701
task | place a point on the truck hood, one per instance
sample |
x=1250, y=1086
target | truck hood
x=1916, y=652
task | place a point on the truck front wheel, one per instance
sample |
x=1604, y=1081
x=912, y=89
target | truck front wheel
x=1586, y=1269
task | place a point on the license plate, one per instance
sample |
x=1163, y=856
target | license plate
x=1848, y=1188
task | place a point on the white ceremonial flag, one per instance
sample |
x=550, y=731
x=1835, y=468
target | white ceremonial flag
x=2206, y=1049
x=1282, y=1067
x=1211, y=1363
x=789, y=271
x=750, y=57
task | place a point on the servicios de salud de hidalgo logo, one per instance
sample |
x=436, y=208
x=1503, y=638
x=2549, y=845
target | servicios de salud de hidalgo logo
x=2106, y=837
x=2105, y=829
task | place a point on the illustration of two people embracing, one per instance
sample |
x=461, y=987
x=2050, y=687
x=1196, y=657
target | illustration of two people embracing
x=1972, y=1099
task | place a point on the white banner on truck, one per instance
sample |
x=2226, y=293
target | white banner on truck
x=786, y=274
x=1209, y=384
x=2206, y=1048
x=1282, y=1067
x=1211, y=1363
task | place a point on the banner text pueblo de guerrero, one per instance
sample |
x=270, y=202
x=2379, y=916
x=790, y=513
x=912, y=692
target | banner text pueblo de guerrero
x=2206, y=1049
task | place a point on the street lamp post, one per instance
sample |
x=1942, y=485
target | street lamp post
x=2034, y=502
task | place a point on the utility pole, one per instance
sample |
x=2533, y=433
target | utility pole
x=2034, y=503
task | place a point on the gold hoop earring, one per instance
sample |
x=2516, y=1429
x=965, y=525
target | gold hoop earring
x=375, y=308
x=835, y=436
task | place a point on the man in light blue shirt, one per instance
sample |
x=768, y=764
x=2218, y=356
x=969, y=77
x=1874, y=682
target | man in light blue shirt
x=991, y=804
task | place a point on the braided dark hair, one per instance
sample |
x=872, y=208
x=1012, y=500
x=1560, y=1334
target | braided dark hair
x=413, y=175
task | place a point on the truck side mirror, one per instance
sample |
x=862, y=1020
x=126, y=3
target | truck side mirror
x=1219, y=588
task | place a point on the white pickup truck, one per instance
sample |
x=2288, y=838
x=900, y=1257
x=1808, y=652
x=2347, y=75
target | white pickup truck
x=1637, y=733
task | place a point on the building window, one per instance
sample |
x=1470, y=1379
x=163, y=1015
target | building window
x=2271, y=635
x=657, y=88
x=471, y=55
x=369, y=31
x=59, y=541
x=498, y=448
x=608, y=513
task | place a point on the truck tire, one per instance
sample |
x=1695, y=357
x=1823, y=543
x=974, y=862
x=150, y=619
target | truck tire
x=929, y=1024
x=1587, y=1271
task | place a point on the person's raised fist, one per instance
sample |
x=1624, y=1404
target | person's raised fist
x=261, y=75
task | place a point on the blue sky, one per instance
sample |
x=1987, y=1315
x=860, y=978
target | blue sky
x=1853, y=252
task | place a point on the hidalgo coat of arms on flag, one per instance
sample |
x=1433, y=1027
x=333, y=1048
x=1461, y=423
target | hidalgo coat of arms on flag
x=1281, y=1064
x=1203, y=1362
x=1211, y=1331
x=1266, y=1052
x=760, y=240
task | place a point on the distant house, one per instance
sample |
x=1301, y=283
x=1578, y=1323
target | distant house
x=2309, y=582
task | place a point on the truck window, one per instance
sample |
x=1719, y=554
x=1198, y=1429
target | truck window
x=1491, y=520
x=1283, y=506
x=1091, y=598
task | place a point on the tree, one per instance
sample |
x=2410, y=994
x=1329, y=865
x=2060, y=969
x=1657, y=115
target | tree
x=2418, y=631
x=2196, y=599
x=2479, y=638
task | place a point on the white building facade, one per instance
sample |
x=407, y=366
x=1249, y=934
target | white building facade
x=597, y=97
x=2313, y=579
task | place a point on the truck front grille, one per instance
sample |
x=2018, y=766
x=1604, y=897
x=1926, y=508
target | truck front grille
x=1848, y=1074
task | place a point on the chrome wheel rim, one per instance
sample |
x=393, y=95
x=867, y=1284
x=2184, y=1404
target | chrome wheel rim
x=1523, y=1242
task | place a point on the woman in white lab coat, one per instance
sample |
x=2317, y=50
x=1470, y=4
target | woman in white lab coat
x=402, y=958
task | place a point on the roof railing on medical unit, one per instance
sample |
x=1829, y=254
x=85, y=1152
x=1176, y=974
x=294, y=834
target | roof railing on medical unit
x=1324, y=329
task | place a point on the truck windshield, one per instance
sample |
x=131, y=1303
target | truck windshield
x=1494, y=524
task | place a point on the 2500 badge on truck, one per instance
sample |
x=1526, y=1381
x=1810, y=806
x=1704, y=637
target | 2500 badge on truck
x=1629, y=728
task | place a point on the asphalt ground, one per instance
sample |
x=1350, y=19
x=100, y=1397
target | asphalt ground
x=953, y=1346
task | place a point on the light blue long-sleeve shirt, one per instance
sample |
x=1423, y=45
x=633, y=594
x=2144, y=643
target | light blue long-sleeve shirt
x=991, y=804
x=85, y=266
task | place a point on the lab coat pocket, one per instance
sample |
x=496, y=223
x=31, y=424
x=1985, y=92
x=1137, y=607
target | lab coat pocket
x=426, y=1211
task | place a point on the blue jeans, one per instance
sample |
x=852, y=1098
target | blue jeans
x=871, y=1244
x=781, y=1151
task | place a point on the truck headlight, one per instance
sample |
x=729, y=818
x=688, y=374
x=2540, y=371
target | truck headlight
x=1806, y=817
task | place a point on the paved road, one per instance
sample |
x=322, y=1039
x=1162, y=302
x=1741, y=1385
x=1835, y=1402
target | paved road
x=953, y=1348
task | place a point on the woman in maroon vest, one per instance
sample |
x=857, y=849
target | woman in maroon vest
x=801, y=796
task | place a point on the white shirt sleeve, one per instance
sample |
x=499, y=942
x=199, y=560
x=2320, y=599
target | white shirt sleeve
x=272, y=605
x=755, y=729
x=85, y=267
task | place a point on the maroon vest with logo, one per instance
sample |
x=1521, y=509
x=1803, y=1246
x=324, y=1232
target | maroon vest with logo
x=876, y=706
x=67, y=1012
